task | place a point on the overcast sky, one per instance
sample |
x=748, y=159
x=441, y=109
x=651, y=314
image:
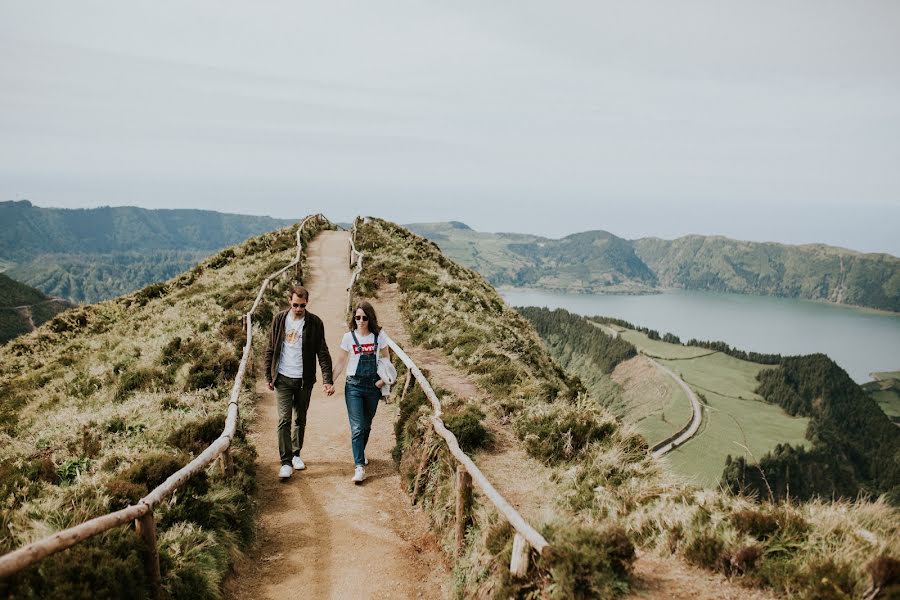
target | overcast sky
x=770, y=120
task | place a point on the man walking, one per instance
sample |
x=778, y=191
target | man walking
x=295, y=339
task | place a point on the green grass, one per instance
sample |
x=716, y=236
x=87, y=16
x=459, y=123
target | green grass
x=736, y=420
x=885, y=391
x=658, y=416
x=886, y=375
x=889, y=401
x=657, y=348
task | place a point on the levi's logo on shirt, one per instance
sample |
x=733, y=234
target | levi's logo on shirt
x=364, y=348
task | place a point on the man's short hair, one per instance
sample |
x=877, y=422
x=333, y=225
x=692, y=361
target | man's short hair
x=300, y=291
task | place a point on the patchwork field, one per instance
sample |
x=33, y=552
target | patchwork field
x=736, y=420
x=650, y=400
x=885, y=390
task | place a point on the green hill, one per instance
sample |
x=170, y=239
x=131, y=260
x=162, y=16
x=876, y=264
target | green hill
x=593, y=261
x=813, y=272
x=598, y=261
x=88, y=255
x=22, y=308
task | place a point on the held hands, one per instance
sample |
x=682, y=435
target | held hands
x=271, y=386
x=379, y=384
x=329, y=389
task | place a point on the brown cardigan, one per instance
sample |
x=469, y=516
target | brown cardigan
x=313, y=345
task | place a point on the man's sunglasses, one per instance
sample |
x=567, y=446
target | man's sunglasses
x=362, y=318
x=298, y=305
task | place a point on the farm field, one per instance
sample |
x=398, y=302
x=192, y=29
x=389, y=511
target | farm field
x=650, y=400
x=736, y=420
x=885, y=391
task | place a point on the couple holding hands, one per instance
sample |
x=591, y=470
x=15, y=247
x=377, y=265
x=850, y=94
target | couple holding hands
x=296, y=338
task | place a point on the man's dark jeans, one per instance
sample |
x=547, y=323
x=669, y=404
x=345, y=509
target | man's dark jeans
x=291, y=396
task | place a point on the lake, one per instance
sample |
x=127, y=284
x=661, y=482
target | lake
x=860, y=340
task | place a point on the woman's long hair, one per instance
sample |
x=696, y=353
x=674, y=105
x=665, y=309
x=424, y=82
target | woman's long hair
x=369, y=312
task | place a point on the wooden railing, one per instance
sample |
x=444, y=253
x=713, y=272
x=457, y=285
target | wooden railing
x=142, y=512
x=466, y=470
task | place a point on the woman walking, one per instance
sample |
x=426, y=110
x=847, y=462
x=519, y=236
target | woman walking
x=364, y=343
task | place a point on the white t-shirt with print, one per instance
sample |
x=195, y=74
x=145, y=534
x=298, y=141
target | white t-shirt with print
x=290, y=364
x=366, y=346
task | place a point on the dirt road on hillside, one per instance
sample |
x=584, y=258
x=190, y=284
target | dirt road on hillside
x=319, y=535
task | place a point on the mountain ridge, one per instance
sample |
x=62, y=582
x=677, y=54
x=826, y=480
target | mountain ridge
x=577, y=263
x=93, y=254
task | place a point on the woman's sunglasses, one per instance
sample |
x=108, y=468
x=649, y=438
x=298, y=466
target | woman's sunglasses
x=362, y=318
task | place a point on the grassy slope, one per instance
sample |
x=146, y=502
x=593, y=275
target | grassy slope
x=735, y=416
x=807, y=551
x=92, y=397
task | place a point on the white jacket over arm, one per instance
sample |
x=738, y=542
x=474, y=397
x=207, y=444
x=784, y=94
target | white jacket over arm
x=387, y=373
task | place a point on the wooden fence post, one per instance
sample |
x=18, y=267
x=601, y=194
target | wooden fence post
x=463, y=502
x=410, y=378
x=227, y=462
x=426, y=454
x=518, y=564
x=146, y=529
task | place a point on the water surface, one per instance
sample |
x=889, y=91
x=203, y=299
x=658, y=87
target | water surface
x=860, y=340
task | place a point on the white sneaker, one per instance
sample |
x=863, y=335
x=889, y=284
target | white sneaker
x=298, y=463
x=359, y=475
x=367, y=462
x=285, y=471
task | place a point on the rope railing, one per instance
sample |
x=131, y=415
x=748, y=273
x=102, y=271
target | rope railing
x=467, y=470
x=142, y=512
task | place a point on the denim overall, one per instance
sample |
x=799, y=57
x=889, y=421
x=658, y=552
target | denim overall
x=362, y=397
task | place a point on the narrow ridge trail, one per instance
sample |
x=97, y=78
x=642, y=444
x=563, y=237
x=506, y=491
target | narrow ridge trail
x=320, y=536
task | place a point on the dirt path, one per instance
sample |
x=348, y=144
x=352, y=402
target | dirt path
x=319, y=535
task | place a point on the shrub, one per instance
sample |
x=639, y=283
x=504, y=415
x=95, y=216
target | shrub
x=215, y=367
x=741, y=561
x=177, y=351
x=70, y=470
x=589, y=563
x=885, y=573
x=170, y=403
x=115, y=425
x=83, y=385
x=42, y=469
x=824, y=579
x=704, y=550
x=152, y=291
x=14, y=487
x=557, y=432
x=466, y=426
x=233, y=331
x=123, y=493
x=221, y=259
x=405, y=425
x=141, y=378
x=154, y=468
x=194, y=437
x=768, y=521
x=108, y=565
x=11, y=402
